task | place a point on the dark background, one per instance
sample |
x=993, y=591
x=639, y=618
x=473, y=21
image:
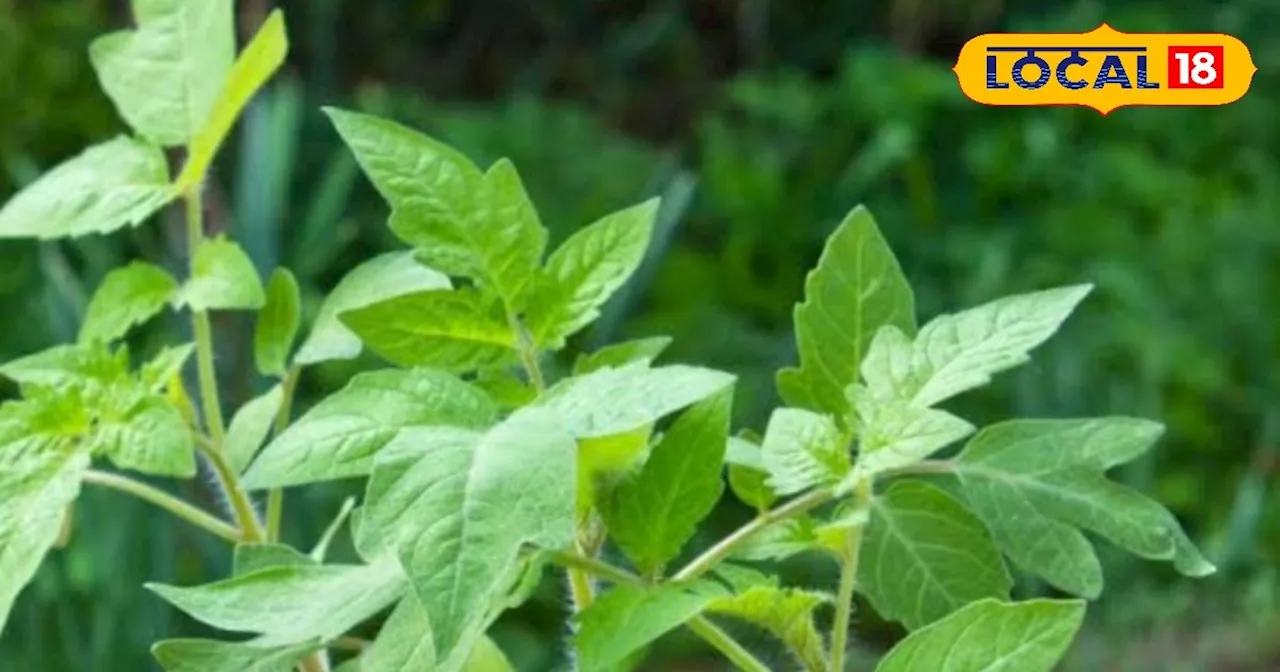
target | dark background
x=761, y=122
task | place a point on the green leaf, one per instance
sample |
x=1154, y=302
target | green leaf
x=586, y=270
x=1036, y=483
x=290, y=604
x=628, y=617
x=223, y=278
x=256, y=64
x=167, y=364
x=893, y=433
x=380, y=278
x=785, y=613
x=106, y=187
x=404, y=643
x=525, y=581
x=470, y=224
x=502, y=247
x=604, y=460
x=802, y=450
x=322, y=546
x=64, y=365
x=206, y=655
x=456, y=330
x=165, y=76
x=506, y=388
x=747, y=475
x=487, y=657
x=277, y=324
x=991, y=636
x=783, y=540
x=39, y=476
x=250, y=426
x=340, y=436
x=856, y=288
x=143, y=432
x=458, y=505
x=249, y=558
x=125, y=418
x=126, y=297
x=924, y=555
x=652, y=515
x=956, y=353
x=642, y=350
x=615, y=401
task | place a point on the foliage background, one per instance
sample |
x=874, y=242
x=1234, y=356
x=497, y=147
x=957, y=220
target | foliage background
x=761, y=122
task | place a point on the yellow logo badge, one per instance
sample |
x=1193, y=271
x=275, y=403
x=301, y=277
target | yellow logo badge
x=1104, y=69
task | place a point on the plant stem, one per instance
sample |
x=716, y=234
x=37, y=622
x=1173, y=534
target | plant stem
x=166, y=501
x=275, y=498
x=580, y=586
x=250, y=529
x=209, y=401
x=275, y=513
x=701, y=564
x=739, y=656
x=597, y=567
x=246, y=517
x=848, y=580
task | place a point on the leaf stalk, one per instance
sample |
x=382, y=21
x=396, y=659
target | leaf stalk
x=201, y=519
x=714, y=555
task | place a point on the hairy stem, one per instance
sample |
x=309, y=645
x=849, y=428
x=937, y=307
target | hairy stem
x=250, y=528
x=739, y=656
x=275, y=498
x=848, y=580
x=246, y=517
x=201, y=519
x=714, y=555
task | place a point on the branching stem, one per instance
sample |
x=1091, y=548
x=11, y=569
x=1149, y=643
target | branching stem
x=246, y=517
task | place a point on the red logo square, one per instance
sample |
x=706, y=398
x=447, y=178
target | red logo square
x=1195, y=67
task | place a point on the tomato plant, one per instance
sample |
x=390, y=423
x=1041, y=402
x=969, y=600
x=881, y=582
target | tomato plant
x=482, y=474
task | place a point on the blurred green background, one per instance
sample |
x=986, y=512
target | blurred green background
x=760, y=122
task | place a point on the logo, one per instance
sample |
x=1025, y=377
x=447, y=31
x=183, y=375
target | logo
x=1104, y=69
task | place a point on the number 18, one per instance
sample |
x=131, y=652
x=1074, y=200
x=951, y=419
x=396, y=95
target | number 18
x=1195, y=67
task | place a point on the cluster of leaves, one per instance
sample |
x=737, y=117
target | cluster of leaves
x=481, y=473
